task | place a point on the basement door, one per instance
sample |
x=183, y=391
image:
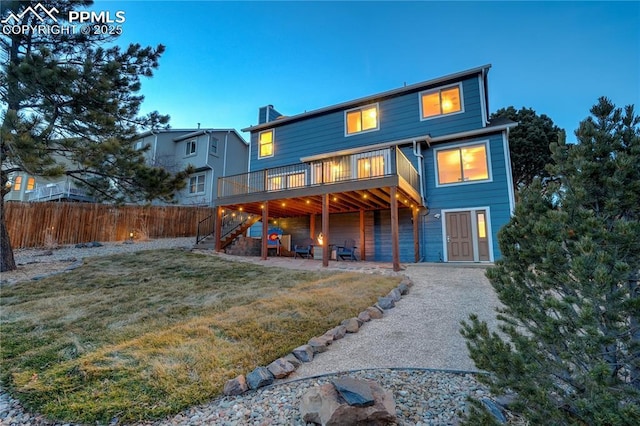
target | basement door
x=467, y=236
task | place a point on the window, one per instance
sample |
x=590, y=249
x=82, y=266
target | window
x=196, y=184
x=214, y=145
x=191, y=148
x=31, y=184
x=285, y=181
x=370, y=166
x=17, y=185
x=462, y=164
x=361, y=120
x=265, y=144
x=447, y=100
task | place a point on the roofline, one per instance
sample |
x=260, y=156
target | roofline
x=194, y=132
x=355, y=102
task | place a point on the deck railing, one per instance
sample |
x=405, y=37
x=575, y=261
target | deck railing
x=354, y=167
x=58, y=191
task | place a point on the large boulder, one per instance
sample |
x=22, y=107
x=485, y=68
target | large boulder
x=325, y=406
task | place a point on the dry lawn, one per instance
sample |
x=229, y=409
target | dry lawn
x=144, y=335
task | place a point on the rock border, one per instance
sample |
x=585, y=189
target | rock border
x=263, y=376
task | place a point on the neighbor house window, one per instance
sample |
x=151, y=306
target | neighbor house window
x=214, y=145
x=362, y=119
x=17, y=185
x=196, y=184
x=265, y=144
x=443, y=101
x=462, y=164
x=31, y=183
x=191, y=147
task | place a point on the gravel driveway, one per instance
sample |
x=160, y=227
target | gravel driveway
x=422, y=331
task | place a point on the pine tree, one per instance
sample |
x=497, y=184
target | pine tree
x=71, y=107
x=569, y=346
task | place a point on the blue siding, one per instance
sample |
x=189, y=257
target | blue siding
x=382, y=235
x=494, y=194
x=399, y=119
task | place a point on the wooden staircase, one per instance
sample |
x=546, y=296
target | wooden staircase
x=233, y=225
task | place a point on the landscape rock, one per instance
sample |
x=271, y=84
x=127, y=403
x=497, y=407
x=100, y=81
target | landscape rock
x=291, y=358
x=337, y=333
x=351, y=325
x=323, y=405
x=364, y=316
x=304, y=353
x=403, y=288
x=318, y=345
x=407, y=281
x=395, y=295
x=386, y=302
x=236, y=386
x=355, y=392
x=281, y=368
x=374, y=312
x=259, y=377
x=495, y=410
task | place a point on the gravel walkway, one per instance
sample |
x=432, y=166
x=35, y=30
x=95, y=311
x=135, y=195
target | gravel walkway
x=407, y=351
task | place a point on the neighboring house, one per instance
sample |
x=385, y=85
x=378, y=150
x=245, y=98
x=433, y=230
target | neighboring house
x=414, y=174
x=25, y=187
x=212, y=152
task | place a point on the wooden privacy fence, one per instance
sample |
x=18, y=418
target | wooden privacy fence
x=43, y=224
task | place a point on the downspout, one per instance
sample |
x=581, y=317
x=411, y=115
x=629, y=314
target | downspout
x=155, y=148
x=208, y=132
x=485, y=100
x=417, y=151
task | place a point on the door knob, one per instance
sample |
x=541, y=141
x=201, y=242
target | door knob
x=448, y=239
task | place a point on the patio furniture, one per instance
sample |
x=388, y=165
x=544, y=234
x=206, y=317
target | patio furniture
x=303, y=249
x=348, y=250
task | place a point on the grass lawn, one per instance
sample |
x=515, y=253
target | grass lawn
x=144, y=335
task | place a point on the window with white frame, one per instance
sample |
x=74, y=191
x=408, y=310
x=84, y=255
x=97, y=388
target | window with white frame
x=196, y=184
x=360, y=120
x=468, y=163
x=31, y=183
x=191, y=147
x=265, y=143
x=214, y=146
x=442, y=101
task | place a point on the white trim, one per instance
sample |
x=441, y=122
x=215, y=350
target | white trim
x=188, y=152
x=273, y=144
x=474, y=232
x=483, y=103
x=508, y=167
x=204, y=184
x=361, y=108
x=484, y=142
x=440, y=89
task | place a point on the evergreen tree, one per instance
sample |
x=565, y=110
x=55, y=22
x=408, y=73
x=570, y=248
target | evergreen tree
x=529, y=143
x=70, y=107
x=568, y=280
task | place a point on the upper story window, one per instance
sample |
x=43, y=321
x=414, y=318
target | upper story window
x=214, y=145
x=191, y=148
x=363, y=119
x=17, y=184
x=462, y=164
x=31, y=183
x=265, y=143
x=196, y=184
x=442, y=101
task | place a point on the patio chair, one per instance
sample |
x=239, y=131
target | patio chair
x=303, y=249
x=348, y=250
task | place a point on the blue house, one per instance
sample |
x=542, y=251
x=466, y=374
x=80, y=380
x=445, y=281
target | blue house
x=415, y=174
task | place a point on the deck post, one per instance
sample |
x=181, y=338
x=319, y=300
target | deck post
x=395, y=234
x=325, y=230
x=218, y=228
x=265, y=230
x=312, y=226
x=416, y=234
x=363, y=253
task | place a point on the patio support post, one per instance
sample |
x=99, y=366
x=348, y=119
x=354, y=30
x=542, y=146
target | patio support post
x=312, y=226
x=218, y=230
x=265, y=230
x=395, y=234
x=363, y=253
x=325, y=230
x=416, y=234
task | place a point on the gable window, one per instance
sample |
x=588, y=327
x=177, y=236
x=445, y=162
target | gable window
x=359, y=120
x=196, y=184
x=265, y=144
x=467, y=163
x=443, y=101
x=191, y=148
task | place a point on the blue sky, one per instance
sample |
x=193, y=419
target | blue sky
x=226, y=59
